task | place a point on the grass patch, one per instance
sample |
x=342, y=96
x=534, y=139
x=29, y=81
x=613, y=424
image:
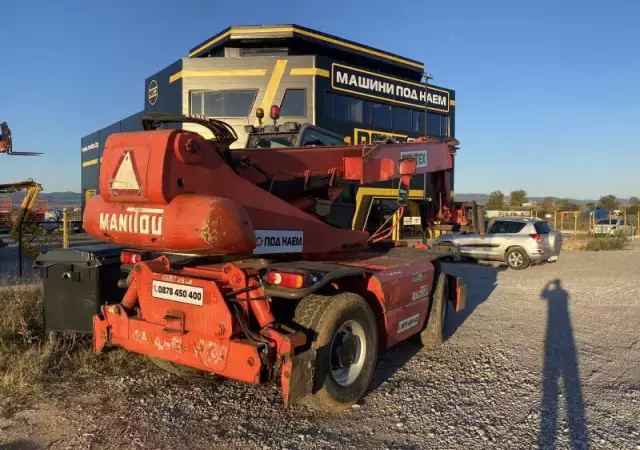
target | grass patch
x=616, y=242
x=30, y=358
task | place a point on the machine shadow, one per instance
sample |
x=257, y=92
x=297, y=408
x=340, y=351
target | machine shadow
x=20, y=444
x=481, y=280
x=560, y=366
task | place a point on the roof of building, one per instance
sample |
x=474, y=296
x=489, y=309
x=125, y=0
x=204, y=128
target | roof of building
x=273, y=35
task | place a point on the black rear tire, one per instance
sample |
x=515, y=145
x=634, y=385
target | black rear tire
x=324, y=318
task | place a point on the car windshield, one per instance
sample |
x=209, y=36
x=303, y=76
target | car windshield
x=542, y=227
x=606, y=221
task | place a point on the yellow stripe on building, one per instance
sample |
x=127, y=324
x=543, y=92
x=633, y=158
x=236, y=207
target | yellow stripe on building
x=273, y=85
x=217, y=73
x=91, y=162
x=310, y=71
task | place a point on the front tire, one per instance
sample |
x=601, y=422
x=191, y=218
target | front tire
x=344, y=334
x=517, y=259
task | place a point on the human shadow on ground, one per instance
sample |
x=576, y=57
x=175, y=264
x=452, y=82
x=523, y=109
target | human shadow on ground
x=560, y=366
x=480, y=279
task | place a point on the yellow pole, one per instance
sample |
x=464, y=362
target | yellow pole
x=394, y=224
x=555, y=219
x=65, y=229
x=575, y=224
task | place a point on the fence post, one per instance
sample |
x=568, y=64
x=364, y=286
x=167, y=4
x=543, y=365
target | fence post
x=20, y=249
x=65, y=229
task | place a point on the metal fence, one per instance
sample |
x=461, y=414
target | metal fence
x=577, y=222
x=581, y=223
x=18, y=252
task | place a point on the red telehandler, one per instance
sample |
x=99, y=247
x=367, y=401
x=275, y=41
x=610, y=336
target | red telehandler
x=234, y=273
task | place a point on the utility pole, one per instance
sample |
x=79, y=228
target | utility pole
x=427, y=76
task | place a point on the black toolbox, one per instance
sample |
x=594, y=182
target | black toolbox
x=77, y=282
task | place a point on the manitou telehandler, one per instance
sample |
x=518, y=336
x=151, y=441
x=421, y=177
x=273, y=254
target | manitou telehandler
x=236, y=270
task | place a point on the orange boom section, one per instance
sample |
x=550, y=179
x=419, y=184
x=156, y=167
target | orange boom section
x=161, y=190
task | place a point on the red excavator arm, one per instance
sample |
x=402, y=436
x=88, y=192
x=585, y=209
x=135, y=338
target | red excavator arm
x=173, y=191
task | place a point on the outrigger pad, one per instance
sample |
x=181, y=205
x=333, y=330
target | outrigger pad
x=300, y=370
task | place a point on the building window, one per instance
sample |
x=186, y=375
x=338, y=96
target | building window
x=402, y=119
x=383, y=116
x=347, y=109
x=437, y=125
x=328, y=105
x=223, y=103
x=380, y=115
x=294, y=103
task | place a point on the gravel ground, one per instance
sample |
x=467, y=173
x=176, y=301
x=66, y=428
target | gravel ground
x=532, y=363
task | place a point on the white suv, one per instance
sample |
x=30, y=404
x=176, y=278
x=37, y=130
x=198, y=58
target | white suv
x=518, y=241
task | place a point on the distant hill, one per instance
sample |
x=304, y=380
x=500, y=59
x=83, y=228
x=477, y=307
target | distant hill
x=57, y=199
x=483, y=198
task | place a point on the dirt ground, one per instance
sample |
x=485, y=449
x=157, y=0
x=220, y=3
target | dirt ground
x=545, y=358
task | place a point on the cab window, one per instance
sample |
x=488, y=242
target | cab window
x=273, y=141
x=313, y=137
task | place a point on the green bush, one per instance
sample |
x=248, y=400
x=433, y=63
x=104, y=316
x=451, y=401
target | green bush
x=616, y=242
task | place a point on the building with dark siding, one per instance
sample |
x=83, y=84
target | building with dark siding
x=344, y=86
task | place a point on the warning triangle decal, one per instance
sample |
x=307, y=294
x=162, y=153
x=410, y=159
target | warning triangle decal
x=125, y=181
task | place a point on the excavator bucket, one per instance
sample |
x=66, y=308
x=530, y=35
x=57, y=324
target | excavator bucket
x=6, y=144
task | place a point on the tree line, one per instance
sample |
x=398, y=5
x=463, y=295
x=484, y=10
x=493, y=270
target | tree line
x=497, y=200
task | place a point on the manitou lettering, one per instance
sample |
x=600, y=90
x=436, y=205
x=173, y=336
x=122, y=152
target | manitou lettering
x=350, y=79
x=137, y=221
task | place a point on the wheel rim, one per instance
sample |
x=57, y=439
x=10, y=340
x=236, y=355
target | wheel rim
x=516, y=259
x=347, y=352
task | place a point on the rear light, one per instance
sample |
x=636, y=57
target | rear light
x=295, y=280
x=132, y=257
x=286, y=279
x=537, y=238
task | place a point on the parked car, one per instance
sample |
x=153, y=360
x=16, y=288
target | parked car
x=612, y=227
x=517, y=241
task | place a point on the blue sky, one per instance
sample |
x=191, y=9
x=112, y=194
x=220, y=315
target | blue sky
x=547, y=92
